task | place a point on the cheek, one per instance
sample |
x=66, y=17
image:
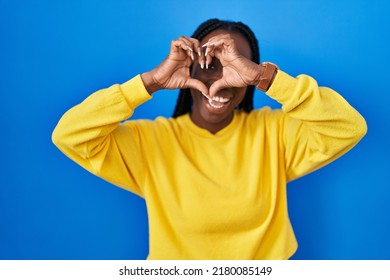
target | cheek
x=196, y=97
x=240, y=95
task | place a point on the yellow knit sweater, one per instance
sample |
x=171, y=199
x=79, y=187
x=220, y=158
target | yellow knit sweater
x=208, y=196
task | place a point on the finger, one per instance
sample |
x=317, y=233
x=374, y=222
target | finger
x=201, y=59
x=186, y=40
x=217, y=86
x=218, y=38
x=209, y=53
x=191, y=53
x=181, y=45
x=198, y=85
x=208, y=47
x=190, y=45
x=209, y=58
x=195, y=45
x=223, y=43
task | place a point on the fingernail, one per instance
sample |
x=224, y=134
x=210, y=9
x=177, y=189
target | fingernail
x=201, y=65
x=207, y=65
x=205, y=95
x=208, y=44
x=205, y=54
x=199, y=52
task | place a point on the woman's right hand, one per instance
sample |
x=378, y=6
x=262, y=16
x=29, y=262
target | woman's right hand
x=174, y=71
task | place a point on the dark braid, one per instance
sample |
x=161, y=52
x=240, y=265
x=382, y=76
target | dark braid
x=184, y=101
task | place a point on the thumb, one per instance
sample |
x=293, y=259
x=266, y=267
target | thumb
x=217, y=86
x=198, y=85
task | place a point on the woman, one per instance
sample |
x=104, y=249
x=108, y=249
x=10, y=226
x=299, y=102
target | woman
x=214, y=176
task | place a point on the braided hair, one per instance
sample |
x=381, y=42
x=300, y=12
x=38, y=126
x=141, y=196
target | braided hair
x=184, y=101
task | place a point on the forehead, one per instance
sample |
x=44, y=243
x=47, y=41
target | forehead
x=242, y=43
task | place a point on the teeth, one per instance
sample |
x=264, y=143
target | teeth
x=215, y=106
x=220, y=99
x=217, y=102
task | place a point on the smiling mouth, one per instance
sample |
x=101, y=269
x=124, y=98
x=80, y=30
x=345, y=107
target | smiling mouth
x=218, y=102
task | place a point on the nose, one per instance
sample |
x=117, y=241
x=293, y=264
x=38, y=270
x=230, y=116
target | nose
x=209, y=82
x=209, y=76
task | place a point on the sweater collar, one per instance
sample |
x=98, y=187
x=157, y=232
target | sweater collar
x=186, y=122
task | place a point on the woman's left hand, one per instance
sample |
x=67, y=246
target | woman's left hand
x=237, y=71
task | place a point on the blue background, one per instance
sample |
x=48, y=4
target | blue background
x=53, y=54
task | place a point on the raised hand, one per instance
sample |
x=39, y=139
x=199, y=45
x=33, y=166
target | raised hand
x=174, y=71
x=237, y=70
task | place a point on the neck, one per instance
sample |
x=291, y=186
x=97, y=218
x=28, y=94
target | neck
x=212, y=126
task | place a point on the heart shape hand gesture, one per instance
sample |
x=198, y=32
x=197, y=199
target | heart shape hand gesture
x=174, y=71
x=237, y=70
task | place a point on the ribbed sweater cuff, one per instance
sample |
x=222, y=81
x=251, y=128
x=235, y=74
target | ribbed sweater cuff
x=282, y=83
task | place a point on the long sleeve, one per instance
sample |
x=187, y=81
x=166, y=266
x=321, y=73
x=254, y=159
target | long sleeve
x=319, y=125
x=92, y=135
